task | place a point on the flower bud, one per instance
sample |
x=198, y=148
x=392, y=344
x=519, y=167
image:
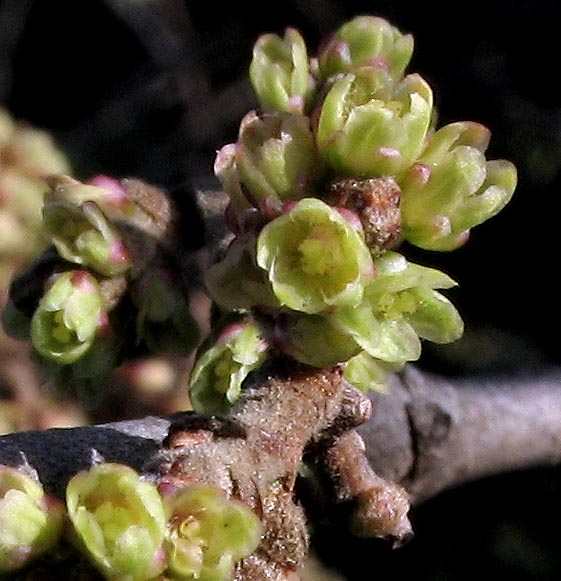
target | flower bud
x=366, y=41
x=314, y=258
x=119, y=521
x=208, y=533
x=64, y=324
x=128, y=201
x=31, y=522
x=219, y=371
x=368, y=373
x=368, y=128
x=83, y=235
x=236, y=282
x=461, y=190
x=280, y=72
x=273, y=161
x=314, y=340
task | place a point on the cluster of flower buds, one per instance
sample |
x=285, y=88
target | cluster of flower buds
x=27, y=155
x=125, y=526
x=109, y=294
x=341, y=164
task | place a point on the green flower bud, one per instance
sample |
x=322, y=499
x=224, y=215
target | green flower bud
x=273, y=161
x=218, y=373
x=452, y=187
x=31, y=522
x=117, y=200
x=368, y=373
x=164, y=322
x=369, y=128
x=280, y=72
x=83, y=235
x=315, y=340
x=366, y=41
x=400, y=307
x=64, y=324
x=208, y=533
x=314, y=258
x=119, y=521
x=236, y=282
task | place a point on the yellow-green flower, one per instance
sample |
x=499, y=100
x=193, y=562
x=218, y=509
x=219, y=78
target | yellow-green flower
x=399, y=308
x=315, y=259
x=119, y=521
x=31, y=523
x=208, y=533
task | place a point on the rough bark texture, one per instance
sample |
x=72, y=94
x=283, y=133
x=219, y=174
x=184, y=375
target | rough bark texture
x=426, y=434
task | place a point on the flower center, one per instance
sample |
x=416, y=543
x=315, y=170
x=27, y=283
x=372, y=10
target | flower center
x=319, y=254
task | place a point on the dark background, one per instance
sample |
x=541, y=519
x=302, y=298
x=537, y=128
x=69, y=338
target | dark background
x=153, y=89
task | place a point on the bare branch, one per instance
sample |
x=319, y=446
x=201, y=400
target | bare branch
x=429, y=433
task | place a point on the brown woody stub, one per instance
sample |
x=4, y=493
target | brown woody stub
x=376, y=202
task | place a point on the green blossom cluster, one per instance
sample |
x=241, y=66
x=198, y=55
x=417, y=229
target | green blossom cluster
x=341, y=163
x=125, y=526
x=27, y=155
x=110, y=295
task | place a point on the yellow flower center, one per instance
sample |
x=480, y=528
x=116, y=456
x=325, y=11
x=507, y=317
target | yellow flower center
x=319, y=253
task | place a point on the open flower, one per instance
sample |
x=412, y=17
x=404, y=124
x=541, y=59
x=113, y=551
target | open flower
x=208, y=533
x=119, y=521
x=280, y=72
x=83, y=235
x=30, y=522
x=64, y=324
x=453, y=188
x=369, y=128
x=399, y=308
x=315, y=258
x=273, y=161
x=366, y=41
x=218, y=374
